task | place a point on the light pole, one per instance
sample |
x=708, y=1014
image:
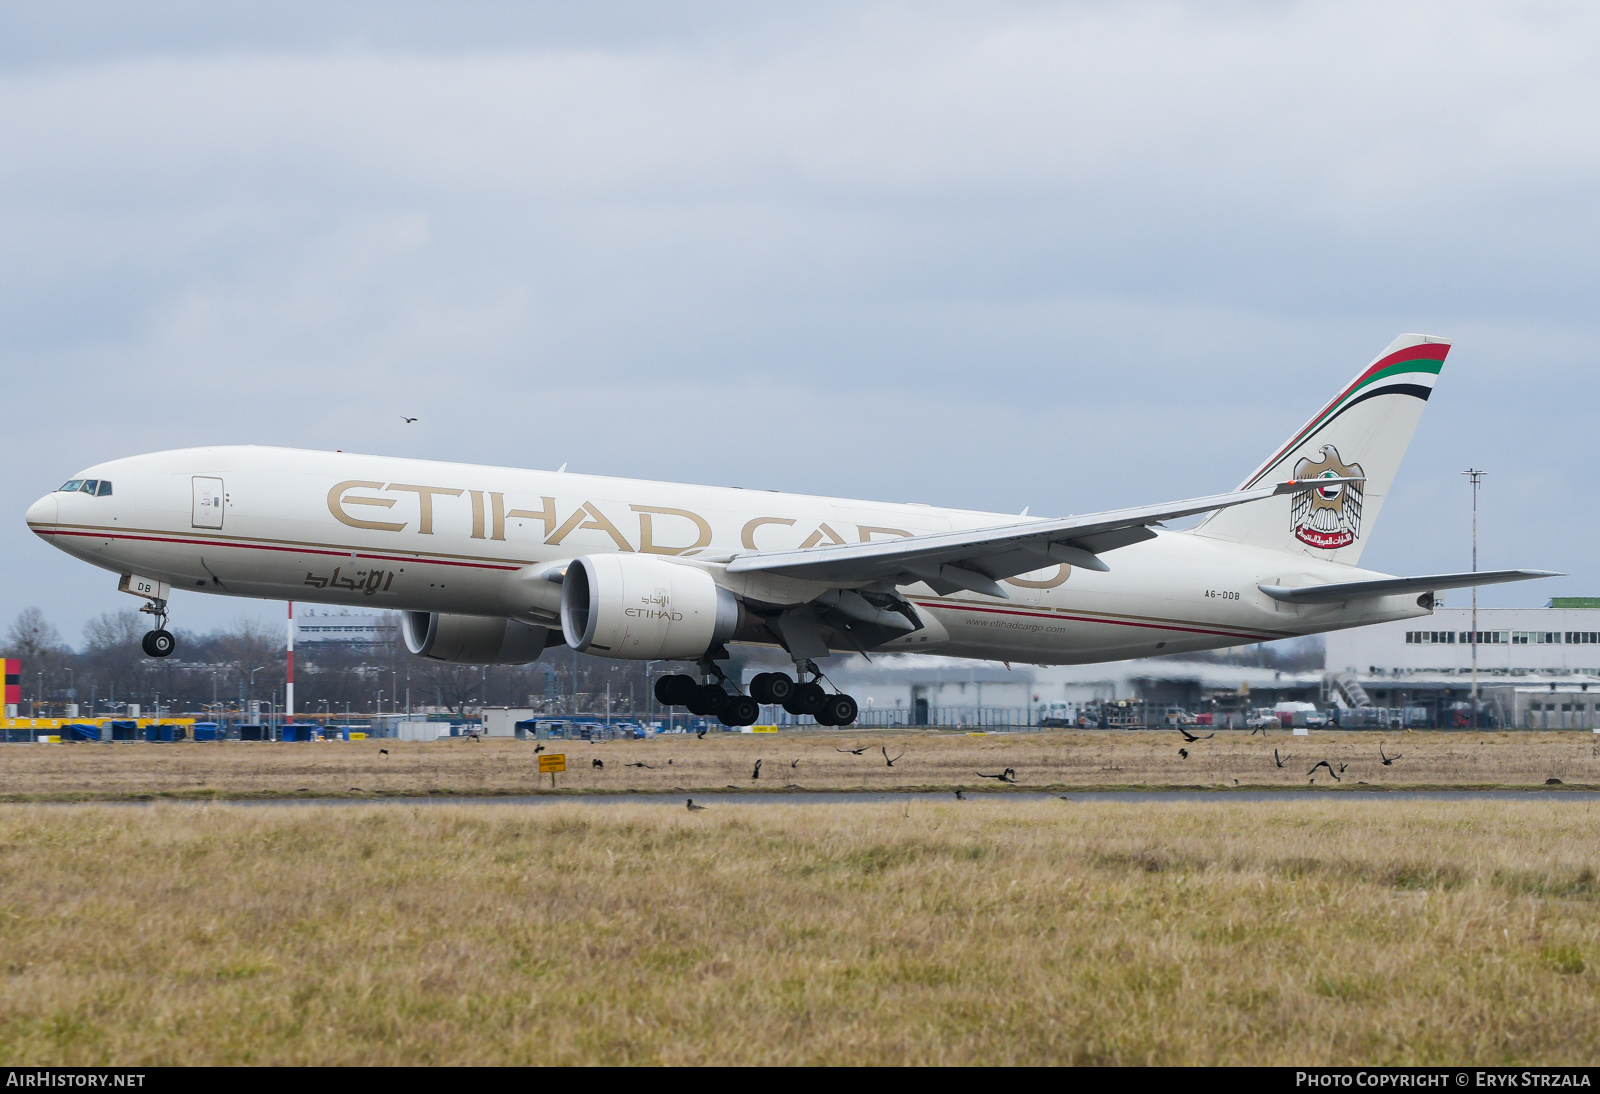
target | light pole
x=252, y=693
x=1476, y=478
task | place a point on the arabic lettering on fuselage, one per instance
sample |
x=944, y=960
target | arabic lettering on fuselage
x=491, y=518
x=366, y=582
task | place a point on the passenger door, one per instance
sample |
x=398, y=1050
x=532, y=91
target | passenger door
x=208, y=499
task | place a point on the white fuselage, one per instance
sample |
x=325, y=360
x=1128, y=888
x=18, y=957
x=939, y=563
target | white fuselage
x=383, y=532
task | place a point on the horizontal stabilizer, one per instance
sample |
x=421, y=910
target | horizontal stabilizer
x=1391, y=586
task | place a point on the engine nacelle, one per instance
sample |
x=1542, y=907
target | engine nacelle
x=644, y=609
x=472, y=639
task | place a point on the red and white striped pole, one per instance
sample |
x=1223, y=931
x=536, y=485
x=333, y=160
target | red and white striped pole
x=288, y=684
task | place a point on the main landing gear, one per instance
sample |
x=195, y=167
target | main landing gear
x=766, y=689
x=159, y=642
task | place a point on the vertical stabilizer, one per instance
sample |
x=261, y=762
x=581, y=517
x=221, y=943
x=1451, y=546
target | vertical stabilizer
x=1364, y=433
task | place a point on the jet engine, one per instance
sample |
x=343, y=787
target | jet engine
x=472, y=639
x=644, y=609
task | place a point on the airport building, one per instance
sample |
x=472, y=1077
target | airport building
x=314, y=626
x=1537, y=667
x=913, y=689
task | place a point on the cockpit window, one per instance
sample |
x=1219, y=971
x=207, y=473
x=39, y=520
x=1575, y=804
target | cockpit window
x=105, y=488
x=89, y=485
x=70, y=485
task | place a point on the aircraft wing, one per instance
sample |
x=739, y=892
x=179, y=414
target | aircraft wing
x=978, y=558
x=1389, y=586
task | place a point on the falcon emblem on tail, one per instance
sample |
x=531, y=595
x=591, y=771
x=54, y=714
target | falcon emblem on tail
x=1328, y=517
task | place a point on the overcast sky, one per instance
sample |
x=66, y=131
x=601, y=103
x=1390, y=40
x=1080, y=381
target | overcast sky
x=1068, y=256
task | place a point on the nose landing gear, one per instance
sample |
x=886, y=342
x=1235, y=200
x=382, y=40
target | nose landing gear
x=159, y=642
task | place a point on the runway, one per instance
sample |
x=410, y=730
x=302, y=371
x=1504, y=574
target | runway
x=716, y=798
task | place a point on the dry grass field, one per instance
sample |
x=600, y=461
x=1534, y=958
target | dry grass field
x=1071, y=759
x=1296, y=931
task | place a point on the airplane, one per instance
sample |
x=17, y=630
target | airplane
x=494, y=565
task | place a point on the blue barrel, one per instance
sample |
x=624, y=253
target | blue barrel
x=152, y=733
x=206, y=731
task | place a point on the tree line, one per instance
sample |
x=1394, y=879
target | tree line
x=222, y=671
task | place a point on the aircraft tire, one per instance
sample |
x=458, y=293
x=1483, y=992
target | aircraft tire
x=758, y=689
x=674, y=690
x=159, y=643
x=808, y=697
x=840, y=710
x=708, y=700
x=740, y=710
x=780, y=685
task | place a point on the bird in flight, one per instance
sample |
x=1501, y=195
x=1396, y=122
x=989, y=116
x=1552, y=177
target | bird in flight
x=693, y=808
x=1009, y=775
x=1191, y=738
x=408, y=421
x=1184, y=752
x=889, y=761
x=756, y=774
x=642, y=764
x=1326, y=764
x=383, y=751
x=538, y=749
x=1388, y=761
x=597, y=762
x=1276, y=759
x=852, y=751
x=796, y=762
x=700, y=736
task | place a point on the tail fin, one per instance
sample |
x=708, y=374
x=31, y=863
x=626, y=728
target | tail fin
x=1363, y=432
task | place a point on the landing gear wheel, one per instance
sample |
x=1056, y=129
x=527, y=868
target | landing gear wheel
x=674, y=691
x=780, y=686
x=739, y=710
x=708, y=699
x=807, y=699
x=758, y=688
x=839, y=710
x=158, y=643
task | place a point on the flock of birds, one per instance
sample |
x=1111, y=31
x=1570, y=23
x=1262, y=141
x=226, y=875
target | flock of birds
x=1009, y=775
x=1283, y=761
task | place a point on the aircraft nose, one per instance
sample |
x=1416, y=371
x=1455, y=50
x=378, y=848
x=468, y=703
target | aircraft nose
x=43, y=511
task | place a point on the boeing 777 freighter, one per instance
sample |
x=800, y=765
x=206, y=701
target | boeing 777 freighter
x=493, y=565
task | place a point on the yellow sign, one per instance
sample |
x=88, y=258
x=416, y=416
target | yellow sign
x=550, y=764
x=763, y=729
